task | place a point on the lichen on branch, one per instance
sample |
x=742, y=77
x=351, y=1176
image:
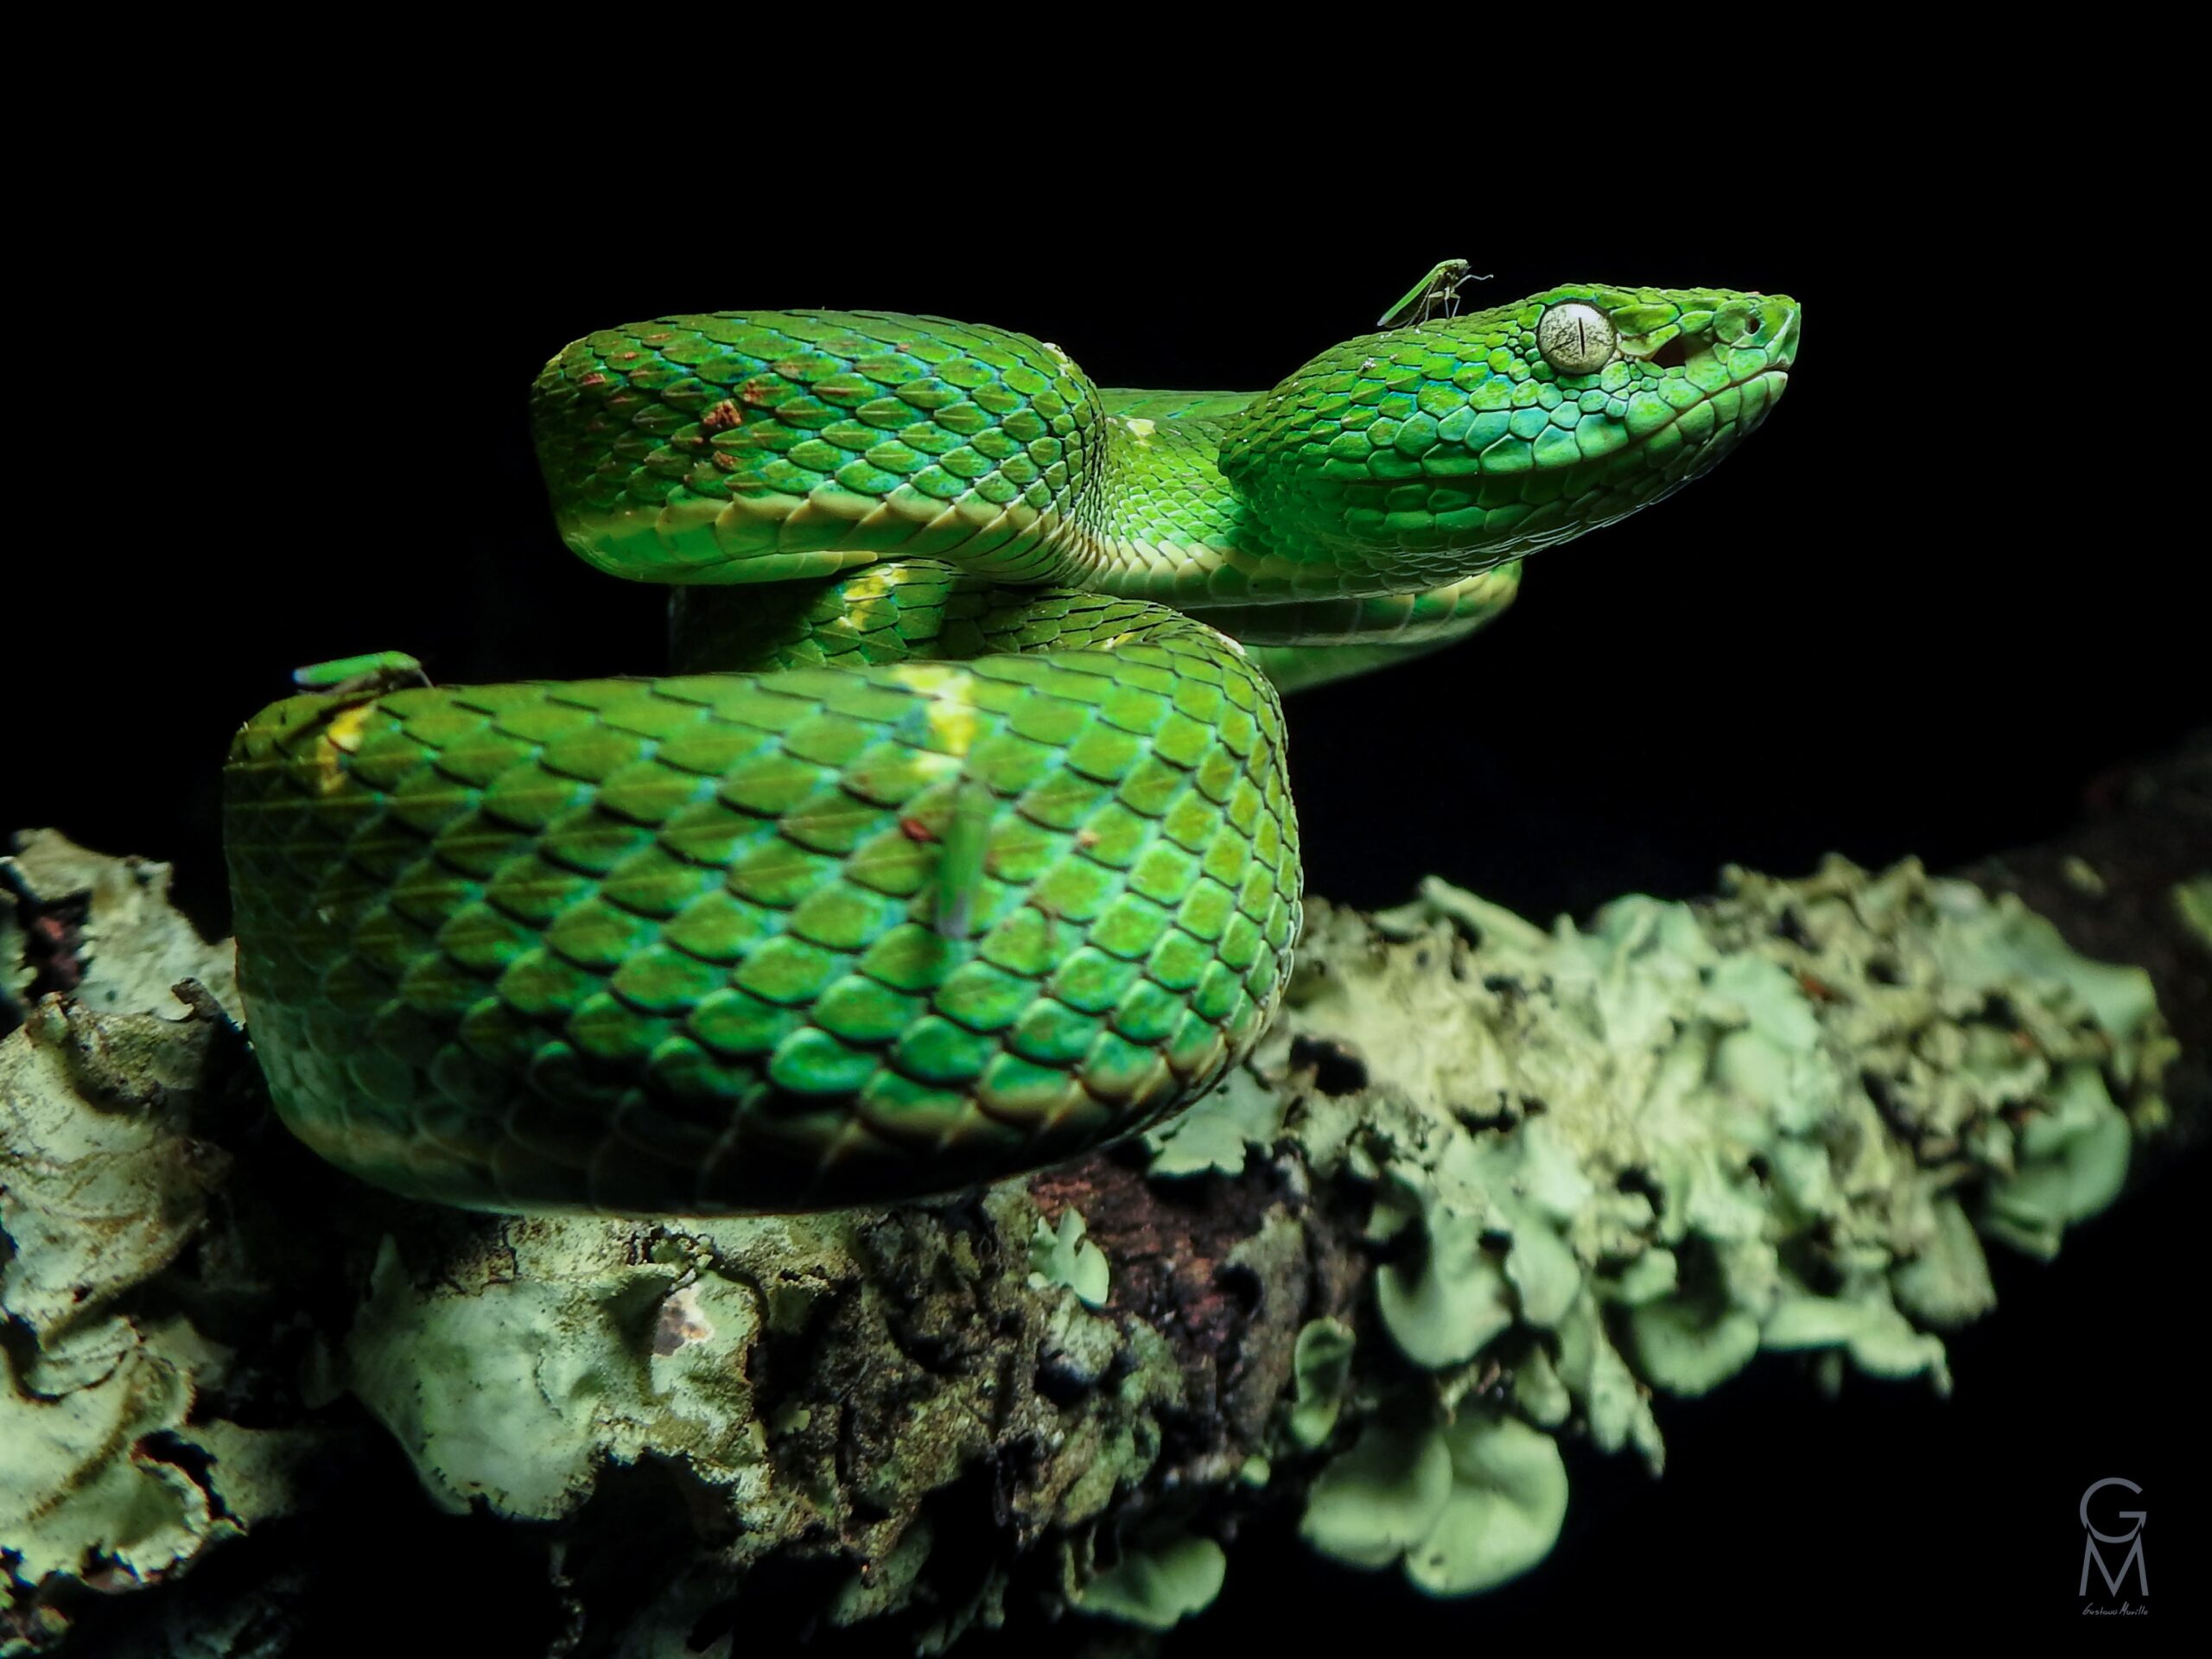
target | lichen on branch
x=1484, y=1188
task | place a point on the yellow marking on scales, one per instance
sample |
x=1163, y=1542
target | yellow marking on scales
x=340, y=738
x=961, y=826
x=1140, y=428
x=950, y=710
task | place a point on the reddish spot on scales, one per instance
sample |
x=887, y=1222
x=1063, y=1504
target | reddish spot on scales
x=757, y=390
x=915, y=829
x=1818, y=989
x=722, y=416
x=595, y=378
x=629, y=357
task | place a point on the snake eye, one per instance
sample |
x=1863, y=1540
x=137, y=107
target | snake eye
x=1575, y=339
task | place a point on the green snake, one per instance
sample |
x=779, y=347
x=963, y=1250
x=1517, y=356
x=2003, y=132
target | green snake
x=962, y=843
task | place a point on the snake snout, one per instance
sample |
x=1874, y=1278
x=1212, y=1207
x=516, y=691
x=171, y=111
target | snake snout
x=1780, y=315
x=1747, y=349
x=1757, y=336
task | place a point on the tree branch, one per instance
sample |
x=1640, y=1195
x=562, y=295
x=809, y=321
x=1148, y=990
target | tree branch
x=1484, y=1189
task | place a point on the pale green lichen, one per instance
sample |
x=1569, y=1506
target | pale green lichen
x=517, y=1371
x=516, y=1390
x=84, y=1476
x=1504, y=1512
x=1067, y=1257
x=1993, y=947
x=2069, y=1160
x=16, y=971
x=816, y=1379
x=113, y=1471
x=2193, y=903
x=1381, y=1498
x=1213, y=1136
x=1465, y=1506
x=129, y=944
x=1079, y=1347
x=1948, y=1284
x=100, y=1187
x=1156, y=1583
x=2082, y=876
x=1322, y=1366
x=1633, y=1156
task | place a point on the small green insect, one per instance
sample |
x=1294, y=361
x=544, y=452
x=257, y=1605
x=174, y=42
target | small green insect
x=1436, y=293
x=371, y=674
x=960, y=867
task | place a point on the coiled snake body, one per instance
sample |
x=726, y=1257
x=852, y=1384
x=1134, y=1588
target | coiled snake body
x=966, y=846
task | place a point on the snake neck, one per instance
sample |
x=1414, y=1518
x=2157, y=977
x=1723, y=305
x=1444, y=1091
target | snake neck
x=1167, y=526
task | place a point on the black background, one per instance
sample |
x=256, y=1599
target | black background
x=1921, y=611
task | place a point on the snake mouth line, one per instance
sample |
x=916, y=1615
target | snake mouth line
x=1781, y=376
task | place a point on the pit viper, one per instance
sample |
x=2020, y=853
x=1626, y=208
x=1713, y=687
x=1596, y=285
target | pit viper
x=960, y=843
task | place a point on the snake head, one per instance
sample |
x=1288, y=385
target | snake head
x=1422, y=454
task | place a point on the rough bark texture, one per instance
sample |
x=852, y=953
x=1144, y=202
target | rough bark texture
x=1484, y=1189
